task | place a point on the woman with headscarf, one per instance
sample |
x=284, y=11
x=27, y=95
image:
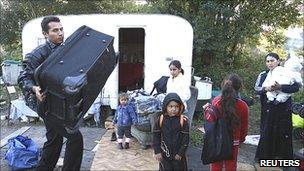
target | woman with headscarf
x=276, y=124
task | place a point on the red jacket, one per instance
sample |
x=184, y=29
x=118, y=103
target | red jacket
x=242, y=110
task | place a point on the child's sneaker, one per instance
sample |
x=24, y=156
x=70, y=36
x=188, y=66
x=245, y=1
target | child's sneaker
x=127, y=145
x=119, y=146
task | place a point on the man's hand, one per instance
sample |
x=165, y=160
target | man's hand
x=177, y=157
x=40, y=96
x=158, y=157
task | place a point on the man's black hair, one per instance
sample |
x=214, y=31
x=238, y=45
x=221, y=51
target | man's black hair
x=46, y=20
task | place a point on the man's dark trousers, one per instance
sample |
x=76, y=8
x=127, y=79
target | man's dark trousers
x=52, y=147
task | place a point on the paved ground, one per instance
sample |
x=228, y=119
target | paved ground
x=101, y=154
x=108, y=157
x=37, y=133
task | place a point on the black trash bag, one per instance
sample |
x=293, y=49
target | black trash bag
x=217, y=143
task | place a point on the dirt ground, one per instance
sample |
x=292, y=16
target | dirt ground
x=246, y=152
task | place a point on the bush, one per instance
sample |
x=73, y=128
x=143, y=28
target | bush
x=247, y=67
x=12, y=52
x=299, y=96
x=196, y=136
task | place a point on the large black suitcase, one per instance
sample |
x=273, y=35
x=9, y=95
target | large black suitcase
x=74, y=74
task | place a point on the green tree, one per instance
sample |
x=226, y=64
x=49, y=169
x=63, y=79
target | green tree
x=224, y=31
x=14, y=14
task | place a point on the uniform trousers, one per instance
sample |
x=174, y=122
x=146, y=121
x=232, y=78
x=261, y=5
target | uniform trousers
x=52, y=147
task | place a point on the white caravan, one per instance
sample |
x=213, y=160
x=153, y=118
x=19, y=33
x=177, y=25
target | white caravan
x=146, y=43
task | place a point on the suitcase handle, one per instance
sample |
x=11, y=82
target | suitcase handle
x=73, y=85
x=79, y=103
x=71, y=90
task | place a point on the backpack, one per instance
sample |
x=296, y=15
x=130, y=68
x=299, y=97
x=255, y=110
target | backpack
x=217, y=142
x=160, y=85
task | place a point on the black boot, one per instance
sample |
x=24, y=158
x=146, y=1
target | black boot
x=119, y=146
x=113, y=138
x=275, y=102
x=127, y=145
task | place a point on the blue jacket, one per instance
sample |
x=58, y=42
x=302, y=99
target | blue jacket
x=125, y=116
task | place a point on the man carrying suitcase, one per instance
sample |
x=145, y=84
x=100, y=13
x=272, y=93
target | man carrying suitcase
x=53, y=32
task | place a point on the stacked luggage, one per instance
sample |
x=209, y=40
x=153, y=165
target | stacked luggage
x=143, y=131
x=144, y=105
x=75, y=73
x=148, y=108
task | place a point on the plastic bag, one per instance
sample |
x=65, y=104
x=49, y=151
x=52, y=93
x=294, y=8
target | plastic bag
x=22, y=153
x=143, y=123
x=146, y=104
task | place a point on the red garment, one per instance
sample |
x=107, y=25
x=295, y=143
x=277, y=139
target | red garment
x=239, y=133
x=130, y=73
x=228, y=164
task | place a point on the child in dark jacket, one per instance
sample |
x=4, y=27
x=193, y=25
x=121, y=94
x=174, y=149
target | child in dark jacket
x=124, y=117
x=171, y=135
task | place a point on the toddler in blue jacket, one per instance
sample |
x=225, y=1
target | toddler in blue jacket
x=125, y=116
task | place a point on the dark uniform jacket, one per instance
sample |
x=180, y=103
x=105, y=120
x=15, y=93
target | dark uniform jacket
x=26, y=78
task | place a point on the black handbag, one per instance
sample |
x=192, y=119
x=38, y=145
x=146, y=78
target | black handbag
x=217, y=142
x=160, y=85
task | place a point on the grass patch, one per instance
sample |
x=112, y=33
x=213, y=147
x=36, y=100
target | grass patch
x=196, y=136
x=254, y=118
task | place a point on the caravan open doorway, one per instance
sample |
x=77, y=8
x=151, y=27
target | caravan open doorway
x=131, y=62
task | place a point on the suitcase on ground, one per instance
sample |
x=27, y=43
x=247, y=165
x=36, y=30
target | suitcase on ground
x=74, y=74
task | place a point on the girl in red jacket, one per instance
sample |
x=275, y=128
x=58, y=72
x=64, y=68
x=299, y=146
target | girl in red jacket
x=235, y=112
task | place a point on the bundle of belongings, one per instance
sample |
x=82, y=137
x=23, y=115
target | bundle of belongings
x=22, y=153
x=145, y=105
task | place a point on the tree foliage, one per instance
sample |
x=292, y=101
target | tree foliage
x=223, y=30
x=226, y=33
x=220, y=27
x=15, y=13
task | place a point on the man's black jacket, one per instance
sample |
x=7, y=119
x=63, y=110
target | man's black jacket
x=26, y=79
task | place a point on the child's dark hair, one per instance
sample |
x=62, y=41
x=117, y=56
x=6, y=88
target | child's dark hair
x=231, y=86
x=177, y=64
x=46, y=20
